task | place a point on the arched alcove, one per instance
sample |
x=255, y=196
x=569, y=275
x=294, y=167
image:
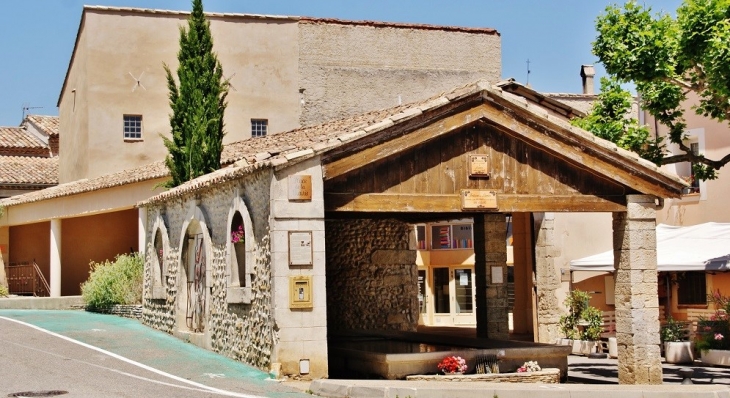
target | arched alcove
x=194, y=280
x=160, y=248
x=240, y=248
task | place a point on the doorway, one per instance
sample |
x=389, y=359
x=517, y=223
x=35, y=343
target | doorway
x=453, y=293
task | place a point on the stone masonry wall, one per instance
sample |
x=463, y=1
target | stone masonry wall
x=372, y=278
x=386, y=66
x=243, y=332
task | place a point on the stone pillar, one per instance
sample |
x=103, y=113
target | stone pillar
x=637, y=302
x=490, y=272
x=55, y=282
x=548, y=281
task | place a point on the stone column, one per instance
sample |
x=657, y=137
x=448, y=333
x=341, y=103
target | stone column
x=55, y=282
x=490, y=272
x=637, y=302
x=548, y=281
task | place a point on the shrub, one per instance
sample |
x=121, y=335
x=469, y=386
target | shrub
x=713, y=333
x=672, y=331
x=4, y=291
x=576, y=302
x=118, y=282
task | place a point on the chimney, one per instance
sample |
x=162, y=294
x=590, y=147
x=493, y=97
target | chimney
x=587, y=73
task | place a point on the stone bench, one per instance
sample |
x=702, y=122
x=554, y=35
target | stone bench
x=546, y=376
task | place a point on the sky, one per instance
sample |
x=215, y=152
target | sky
x=37, y=36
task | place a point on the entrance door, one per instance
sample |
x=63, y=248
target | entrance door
x=453, y=293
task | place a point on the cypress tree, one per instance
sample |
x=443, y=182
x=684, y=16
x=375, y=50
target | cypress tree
x=197, y=103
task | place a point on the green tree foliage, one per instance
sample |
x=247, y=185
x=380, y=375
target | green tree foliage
x=669, y=58
x=198, y=103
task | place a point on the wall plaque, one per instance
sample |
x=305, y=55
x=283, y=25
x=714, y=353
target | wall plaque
x=478, y=199
x=478, y=165
x=300, y=187
x=300, y=248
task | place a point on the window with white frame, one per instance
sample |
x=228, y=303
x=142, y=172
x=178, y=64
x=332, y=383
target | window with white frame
x=132, y=127
x=259, y=127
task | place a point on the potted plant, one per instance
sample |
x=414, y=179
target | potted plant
x=576, y=302
x=676, y=348
x=592, y=325
x=713, y=333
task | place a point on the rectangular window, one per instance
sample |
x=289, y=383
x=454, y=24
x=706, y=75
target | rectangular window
x=453, y=236
x=692, y=288
x=132, y=127
x=259, y=127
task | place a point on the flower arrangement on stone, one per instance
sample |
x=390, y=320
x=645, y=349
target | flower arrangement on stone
x=452, y=364
x=529, y=366
x=713, y=333
x=237, y=235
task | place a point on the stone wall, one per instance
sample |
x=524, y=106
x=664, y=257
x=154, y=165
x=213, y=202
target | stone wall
x=372, y=278
x=245, y=332
x=386, y=65
x=544, y=376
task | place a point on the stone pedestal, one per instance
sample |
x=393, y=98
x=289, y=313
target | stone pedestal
x=490, y=269
x=637, y=303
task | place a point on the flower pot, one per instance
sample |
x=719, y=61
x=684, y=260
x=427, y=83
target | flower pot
x=678, y=352
x=587, y=347
x=716, y=357
x=576, y=347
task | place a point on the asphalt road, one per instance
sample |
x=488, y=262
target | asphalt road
x=91, y=355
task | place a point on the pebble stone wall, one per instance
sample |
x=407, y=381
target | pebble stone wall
x=244, y=332
x=372, y=278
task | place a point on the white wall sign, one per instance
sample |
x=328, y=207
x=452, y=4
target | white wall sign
x=497, y=275
x=300, y=248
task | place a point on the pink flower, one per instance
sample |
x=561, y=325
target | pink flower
x=719, y=336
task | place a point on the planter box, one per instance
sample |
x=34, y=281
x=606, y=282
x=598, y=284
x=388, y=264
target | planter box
x=679, y=352
x=716, y=357
x=546, y=376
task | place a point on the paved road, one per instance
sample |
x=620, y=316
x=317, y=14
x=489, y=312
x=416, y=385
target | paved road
x=93, y=355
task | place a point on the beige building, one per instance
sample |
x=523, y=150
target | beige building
x=285, y=72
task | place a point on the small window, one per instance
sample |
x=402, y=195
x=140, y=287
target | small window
x=132, y=127
x=455, y=236
x=259, y=127
x=692, y=288
x=694, y=182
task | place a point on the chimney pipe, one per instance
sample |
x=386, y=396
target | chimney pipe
x=587, y=73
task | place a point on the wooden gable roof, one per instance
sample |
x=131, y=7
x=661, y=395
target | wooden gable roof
x=536, y=161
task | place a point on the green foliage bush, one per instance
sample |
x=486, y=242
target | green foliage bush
x=4, y=291
x=118, y=282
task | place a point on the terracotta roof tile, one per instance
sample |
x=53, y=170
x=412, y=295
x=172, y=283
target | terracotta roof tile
x=24, y=170
x=46, y=124
x=144, y=173
x=17, y=141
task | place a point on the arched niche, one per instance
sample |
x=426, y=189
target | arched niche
x=194, y=274
x=160, y=249
x=240, y=254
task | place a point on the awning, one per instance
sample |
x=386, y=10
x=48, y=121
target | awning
x=702, y=247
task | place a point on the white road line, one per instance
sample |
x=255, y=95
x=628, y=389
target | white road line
x=135, y=363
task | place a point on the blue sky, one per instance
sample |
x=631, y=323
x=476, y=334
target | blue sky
x=37, y=36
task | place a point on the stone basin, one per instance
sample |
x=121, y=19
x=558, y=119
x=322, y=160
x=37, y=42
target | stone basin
x=395, y=355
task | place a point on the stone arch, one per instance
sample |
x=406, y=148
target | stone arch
x=239, y=270
x=160, y=249
x=194, y=281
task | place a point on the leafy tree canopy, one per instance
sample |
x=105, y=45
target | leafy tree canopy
x=667, y=58
x=198, y=103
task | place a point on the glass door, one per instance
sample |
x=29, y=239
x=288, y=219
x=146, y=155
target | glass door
x=464, y=297
x=453, y=293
